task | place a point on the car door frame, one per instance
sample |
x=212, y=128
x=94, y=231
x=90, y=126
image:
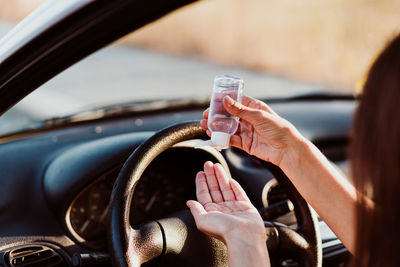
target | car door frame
x=37, y=50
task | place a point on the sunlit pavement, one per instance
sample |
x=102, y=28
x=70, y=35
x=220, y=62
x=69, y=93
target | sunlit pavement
x=121, y=74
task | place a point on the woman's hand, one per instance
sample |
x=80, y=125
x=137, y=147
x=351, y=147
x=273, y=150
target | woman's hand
x=224, y=211
x=261, y=131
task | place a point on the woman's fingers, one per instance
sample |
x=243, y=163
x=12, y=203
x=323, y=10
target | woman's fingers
x=240, y=194
x=223, y=181
x=249, y=109
x=203, y=124
x=256, y=104
x=243, y=112
x=212, y=183
x=196, y=209
x=202, y=193
x=205, y=113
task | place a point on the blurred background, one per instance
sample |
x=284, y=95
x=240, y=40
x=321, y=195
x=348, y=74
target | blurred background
x=281, y=48
x=329, y=42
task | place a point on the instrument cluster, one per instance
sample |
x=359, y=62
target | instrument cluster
x=163, y=189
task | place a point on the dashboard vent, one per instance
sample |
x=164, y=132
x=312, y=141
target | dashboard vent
x=34, y=256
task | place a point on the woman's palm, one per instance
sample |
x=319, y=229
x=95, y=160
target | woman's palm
x=222, y=218
x=222, y=206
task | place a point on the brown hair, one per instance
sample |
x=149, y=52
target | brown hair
x=375, y=159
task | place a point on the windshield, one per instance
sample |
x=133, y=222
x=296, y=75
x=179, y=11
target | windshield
x=279, y=48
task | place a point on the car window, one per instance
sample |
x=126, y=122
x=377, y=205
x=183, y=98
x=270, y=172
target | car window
x=279, y=48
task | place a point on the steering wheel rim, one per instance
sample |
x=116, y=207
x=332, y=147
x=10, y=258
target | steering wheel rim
x=304, y=242
x=132, y=247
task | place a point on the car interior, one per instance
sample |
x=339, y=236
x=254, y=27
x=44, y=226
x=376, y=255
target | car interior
x=57, y=183
x=73, y=189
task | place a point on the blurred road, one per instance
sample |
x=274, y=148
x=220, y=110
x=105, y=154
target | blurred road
x=120, y=74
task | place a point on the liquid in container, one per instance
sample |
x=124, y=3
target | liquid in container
x=220, y=123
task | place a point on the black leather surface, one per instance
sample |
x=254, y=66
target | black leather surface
x=132, y=247
x=123, y=252
x=305, y=242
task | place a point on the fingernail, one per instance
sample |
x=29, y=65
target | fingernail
x=188, y=203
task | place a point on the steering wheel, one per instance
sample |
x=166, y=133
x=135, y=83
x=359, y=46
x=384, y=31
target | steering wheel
x=176, y=236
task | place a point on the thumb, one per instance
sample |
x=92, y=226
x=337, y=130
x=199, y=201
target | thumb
x=196, y=209
x=239, y=110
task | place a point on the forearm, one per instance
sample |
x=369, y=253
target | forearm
x=331, y=195
x=247, y=253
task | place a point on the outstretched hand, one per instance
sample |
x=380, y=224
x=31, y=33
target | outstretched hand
x=223, y=209
x=261, y=131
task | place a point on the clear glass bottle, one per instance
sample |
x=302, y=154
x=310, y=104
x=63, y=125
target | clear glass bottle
x=220, y=123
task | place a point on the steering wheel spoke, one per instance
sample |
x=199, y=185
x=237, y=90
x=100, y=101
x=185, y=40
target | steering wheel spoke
x=144, y=243
x=184, y=240
x=176, y=237
x=285, y=242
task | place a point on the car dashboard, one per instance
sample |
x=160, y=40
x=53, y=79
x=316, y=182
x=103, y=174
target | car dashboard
x=56, y=183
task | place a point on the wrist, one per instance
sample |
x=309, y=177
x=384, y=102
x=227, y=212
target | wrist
x=258, y=245
x=298, y=147
x=251, y=251
x=245, y=238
